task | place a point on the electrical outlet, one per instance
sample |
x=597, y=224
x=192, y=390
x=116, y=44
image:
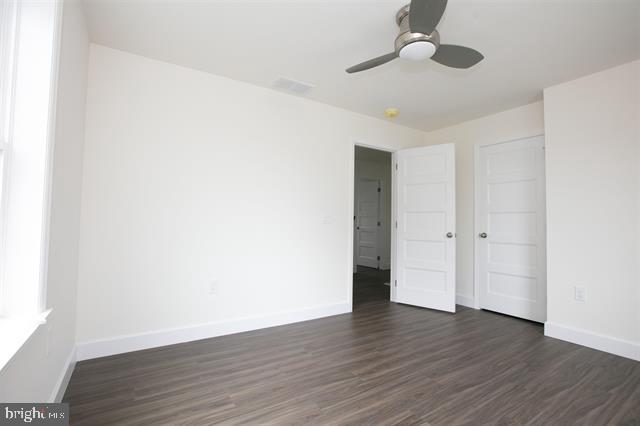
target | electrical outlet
x=213, y=287
x=579, y=293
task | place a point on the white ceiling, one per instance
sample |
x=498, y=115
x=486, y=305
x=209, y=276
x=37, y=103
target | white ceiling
x=528, y=45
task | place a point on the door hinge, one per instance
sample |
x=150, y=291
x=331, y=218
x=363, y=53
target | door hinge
x=378, y=258
x=379, y=189
x=395, y=283
x=396, y=166
x=396, y=223
x=378, y=223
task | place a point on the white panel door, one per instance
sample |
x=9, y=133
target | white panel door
x=511, y=240
x=367, y=222
x=426, y=218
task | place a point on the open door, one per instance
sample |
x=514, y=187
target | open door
x=426, y=218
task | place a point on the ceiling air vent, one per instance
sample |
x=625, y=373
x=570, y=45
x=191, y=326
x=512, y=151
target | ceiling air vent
x=291, y=86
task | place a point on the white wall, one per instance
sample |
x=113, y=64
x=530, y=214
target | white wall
x=381, y=170
x=36, y=371
x=593, y=209
x=190, y=178
x=516, y=123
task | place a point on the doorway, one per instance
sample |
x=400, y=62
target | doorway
x=372, y=225
x=411, y=248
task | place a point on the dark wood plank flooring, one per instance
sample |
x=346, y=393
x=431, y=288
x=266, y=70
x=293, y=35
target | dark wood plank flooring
x=368, y=286
x=384, y=363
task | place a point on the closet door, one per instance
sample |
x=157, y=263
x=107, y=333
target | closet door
x=511, y=239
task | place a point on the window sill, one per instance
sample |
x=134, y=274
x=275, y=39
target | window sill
x=14, y=333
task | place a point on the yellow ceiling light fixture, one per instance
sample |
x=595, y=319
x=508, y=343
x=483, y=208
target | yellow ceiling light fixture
x=391, y=112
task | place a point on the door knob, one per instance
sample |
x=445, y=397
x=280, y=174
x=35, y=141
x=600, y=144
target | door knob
x=483, y=235
x=449, y=235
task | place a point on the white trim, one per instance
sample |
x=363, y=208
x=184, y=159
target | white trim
x=476, y=212
x=592, y=340
x=65, y=375
x=153, y=339
x=394, y=230
x=476, y=222
x=469, y=302
x=50, y=147
x=376, y=147
x=351, y=264
x=5, y=164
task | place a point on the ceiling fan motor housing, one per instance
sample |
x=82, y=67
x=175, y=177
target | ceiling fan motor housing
x=406, y=37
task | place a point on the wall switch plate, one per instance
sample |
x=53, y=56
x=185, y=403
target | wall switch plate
x=579, y=294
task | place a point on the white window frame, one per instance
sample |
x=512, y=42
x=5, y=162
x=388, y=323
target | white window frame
x=8, y=29
x=22, y=314
x=51, y=138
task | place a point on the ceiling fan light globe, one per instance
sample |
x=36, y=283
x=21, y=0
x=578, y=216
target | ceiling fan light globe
x=418, y=50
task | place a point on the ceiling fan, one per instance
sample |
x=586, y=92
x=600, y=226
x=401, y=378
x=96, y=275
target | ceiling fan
x=419, y=39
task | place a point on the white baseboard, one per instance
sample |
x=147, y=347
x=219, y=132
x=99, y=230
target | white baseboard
x=592, y=340
x=465, y=301
x=136, y=342
x=65, y=375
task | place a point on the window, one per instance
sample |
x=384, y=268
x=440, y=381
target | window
x=8, y=12
x=28, y=45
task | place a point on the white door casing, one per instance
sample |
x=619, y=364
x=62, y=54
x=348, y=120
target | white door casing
x=367, y=222
x=425, y=235
x=511, y=240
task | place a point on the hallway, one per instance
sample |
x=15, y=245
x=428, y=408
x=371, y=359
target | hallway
x=369, y=286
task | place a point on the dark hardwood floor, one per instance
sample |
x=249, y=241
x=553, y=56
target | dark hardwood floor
x=368, y=286
x=383, y=364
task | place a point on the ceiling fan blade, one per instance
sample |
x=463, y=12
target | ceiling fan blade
x=424, y=15
x=373, y=62
x=457, y=56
